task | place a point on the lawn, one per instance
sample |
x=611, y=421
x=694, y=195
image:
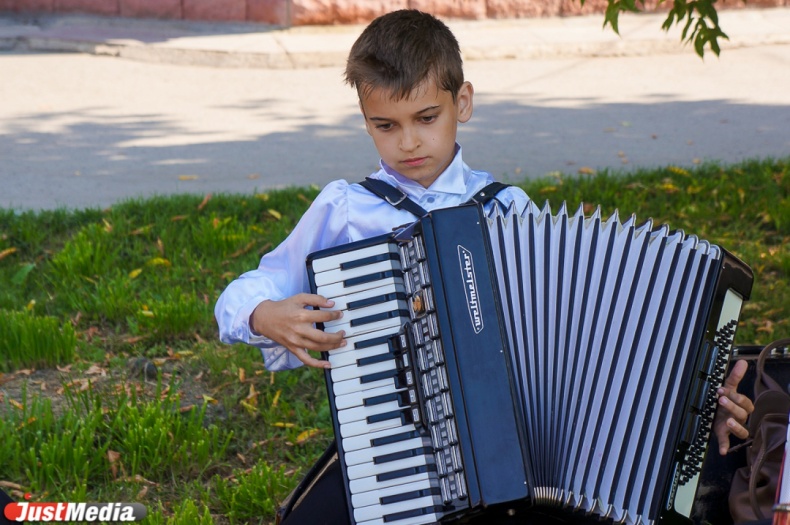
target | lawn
x=113, y=386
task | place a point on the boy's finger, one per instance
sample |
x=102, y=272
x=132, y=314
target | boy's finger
x=319, y=301
x=736, y=374
x=737, y=412
x=737, y=429
x=322, y=316
x=304, y=356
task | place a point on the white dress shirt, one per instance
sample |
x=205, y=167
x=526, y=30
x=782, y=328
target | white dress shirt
x=340, y=214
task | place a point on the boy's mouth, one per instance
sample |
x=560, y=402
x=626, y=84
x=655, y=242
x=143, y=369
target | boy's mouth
x=414, y=162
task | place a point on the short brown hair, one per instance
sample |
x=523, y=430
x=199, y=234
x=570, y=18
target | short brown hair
x=400, y=50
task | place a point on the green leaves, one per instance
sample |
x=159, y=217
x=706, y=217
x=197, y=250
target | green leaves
x=701, y=21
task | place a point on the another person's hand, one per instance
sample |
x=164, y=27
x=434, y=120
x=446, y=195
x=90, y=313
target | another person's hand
x=733, y=409
x=290, y=322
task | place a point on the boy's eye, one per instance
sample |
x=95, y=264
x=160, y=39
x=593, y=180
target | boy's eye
x=384, y=127
x=428, y=119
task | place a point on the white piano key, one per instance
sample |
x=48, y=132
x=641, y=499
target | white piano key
x=338, y=275
x=374, y=497
x=357, y=486
x=342, y=359
x=424, y=519
x=357, y=398
x=351, y=315
x=362, y=412
x=334, y=261
x=360, y=442
x=365, y=470
x=367, y=327
x=370, y=483
x=330, y=291
x=351, y=372
x=362, y=341
x=355, y=428
x=379, y=511
x=342, y=301
x=366, y=455
x=350, y=386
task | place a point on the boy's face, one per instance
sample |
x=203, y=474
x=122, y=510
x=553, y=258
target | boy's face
x=416, y=135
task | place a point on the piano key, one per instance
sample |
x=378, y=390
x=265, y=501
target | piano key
x=396, y=476
x=358, y=398
x=371, y=324
x=339, y=289
x=366, y=455
x=356, y=384
x=351, y=372
x=382, y=436
x=365, y=470
x=339, y=275
x=425, y=498
x=363, y=412
x=429, y=515
x=374, y=497
x=334, y=261
x=380, y=421
x=366, y=341
x=353, y=358
x=377, y=295
x=355, y=315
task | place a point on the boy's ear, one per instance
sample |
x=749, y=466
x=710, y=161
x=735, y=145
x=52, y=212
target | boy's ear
x=464, y=102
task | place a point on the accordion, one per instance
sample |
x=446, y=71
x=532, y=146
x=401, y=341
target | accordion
x=522, y=361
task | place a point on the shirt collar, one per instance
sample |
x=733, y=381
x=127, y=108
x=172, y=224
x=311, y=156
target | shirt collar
x=451, y=181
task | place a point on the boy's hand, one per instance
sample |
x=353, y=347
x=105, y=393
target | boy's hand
x=290, y=323
x=733, y=410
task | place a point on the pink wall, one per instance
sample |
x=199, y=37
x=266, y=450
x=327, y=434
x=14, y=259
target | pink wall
x=306, y=12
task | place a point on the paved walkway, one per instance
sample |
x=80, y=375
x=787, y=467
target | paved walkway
x=193, y=109
x=253, y=45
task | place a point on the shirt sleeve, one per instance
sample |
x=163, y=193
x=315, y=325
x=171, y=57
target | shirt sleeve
x=282, y=273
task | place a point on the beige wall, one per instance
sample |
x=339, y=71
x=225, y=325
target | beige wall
x=306, y=12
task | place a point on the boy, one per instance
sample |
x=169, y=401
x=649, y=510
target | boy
x=407, y=70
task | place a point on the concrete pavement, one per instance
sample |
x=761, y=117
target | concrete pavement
x=241, y=108
x=255, y=45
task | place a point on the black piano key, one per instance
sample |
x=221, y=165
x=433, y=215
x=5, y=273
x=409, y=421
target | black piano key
x=401, y=397
x=369, y=343
x=389, y=256
x=379, y=299
x=372, y=360
x=406, y=496
x=398, y=516
x=377, y=276
x=405, y=472
x=402, y=454
x=385, y=416
x=386, y=374
x=395, y=438
x=379, y=317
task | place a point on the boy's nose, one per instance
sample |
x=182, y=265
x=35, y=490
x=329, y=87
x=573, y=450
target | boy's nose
x=409, y=140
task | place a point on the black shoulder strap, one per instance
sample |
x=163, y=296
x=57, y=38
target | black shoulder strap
x=488, y=193
x=401, y=201
x=393, y=195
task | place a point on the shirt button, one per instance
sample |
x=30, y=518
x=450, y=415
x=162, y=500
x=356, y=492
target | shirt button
x=430, y=200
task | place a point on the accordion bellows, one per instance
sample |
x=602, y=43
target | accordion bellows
x=603, y=322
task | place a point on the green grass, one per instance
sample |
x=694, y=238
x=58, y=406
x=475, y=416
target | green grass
x=212, y=437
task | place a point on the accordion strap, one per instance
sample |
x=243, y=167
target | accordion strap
x=393, y=195
x=401, y=201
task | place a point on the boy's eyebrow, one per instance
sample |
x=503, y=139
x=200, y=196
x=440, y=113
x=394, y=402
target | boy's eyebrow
x=424, y=110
